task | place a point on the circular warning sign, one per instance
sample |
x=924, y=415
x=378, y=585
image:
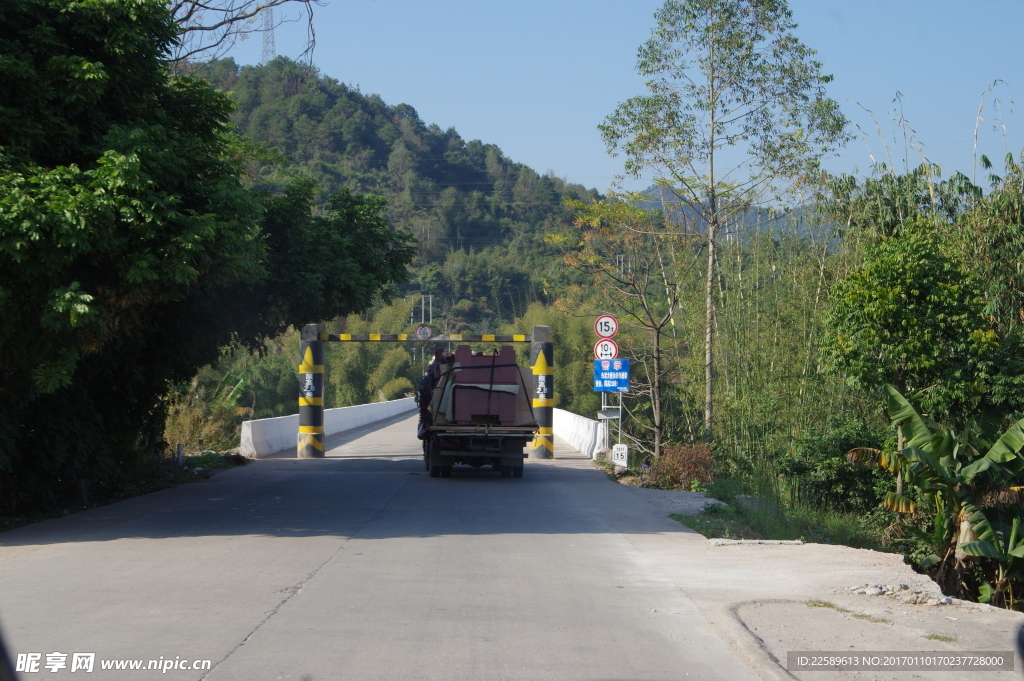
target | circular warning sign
x=606, y=348
x=606, y=326
x=423, y=332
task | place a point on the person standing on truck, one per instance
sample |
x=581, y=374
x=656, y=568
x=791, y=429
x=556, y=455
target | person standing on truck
x=426, y=390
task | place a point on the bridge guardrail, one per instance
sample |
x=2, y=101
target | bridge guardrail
x=263, y=437
x=585, y=435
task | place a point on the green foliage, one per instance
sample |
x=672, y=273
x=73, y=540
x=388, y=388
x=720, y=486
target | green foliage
x=967, y=488
x=820, y=475
x=912, y=317
x=818, y=526
x=130, y=251
x=726, y=73
x=360, y=373
x=454, y=195
x=735, y=118
x=633, y=257
x=680, y=467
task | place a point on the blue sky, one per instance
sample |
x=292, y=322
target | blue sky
x=536, y=77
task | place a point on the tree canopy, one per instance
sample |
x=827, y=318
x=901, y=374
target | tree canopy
x=735, y=116
x=131, y=252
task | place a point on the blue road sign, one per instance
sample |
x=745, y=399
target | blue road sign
x=611, y=375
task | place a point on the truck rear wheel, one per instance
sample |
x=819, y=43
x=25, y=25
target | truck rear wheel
x=430, y=447
x=435, y=470
x=517, y=471
x=446, y=471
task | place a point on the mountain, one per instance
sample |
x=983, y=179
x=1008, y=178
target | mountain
x=457, y=197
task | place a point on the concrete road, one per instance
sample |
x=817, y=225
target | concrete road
x=361, y=566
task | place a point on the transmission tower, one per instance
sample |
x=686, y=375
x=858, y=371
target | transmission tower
x=269, y=51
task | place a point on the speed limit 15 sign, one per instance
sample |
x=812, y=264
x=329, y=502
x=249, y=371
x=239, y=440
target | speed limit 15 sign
x=606, y=326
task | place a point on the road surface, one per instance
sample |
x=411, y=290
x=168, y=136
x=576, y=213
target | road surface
x=361, y=566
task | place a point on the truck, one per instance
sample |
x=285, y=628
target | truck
x=475, y=410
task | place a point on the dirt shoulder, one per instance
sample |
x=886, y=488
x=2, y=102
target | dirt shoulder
x=766, y=600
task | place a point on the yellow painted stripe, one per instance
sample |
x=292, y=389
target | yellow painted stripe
x=539, y=442
x=455, y=336
x=403, y=336
x=311, y=429
x=324, y=336
x=345, y=336
x=544, y=403
x=546, y=431
x=374, y=336
x=519, y=338
x=311, y=440
x=311, y=401
x=488, y=337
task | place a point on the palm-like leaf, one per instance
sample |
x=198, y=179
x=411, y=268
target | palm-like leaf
x=915, y=430
x=898, y=503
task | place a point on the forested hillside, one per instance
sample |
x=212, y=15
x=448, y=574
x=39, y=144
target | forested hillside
x=480, y=217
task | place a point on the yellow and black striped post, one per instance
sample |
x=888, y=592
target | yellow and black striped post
x=542, y=363
x=310, y=443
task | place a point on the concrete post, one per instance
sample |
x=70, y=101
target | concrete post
x=542, y=363
x=310, y=444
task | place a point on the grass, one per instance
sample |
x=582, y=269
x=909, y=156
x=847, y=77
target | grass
x=940, y=637
x=855, y=615
x=764, y=521
x=163, y=475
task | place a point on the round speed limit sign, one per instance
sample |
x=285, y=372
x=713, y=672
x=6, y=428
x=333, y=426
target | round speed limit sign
x=606, y=326
x=606, y=348
x=423, y=332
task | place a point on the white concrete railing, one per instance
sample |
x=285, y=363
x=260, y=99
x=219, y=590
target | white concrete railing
x=264, y=437
x=585, y=435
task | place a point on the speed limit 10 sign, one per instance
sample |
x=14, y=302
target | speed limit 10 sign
x=606, y=348
x=606, y=326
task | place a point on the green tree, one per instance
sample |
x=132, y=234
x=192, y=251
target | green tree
x=910, y=316
x=735, y=117
x=130, y=251
x=631, y=259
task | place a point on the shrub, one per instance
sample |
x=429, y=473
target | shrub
x=680, y=467
x=821, y=477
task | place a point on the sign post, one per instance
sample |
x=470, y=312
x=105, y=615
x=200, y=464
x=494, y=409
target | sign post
x=611, y=375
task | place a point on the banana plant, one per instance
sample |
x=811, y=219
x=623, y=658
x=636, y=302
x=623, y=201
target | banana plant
x=1000, y=539
x=954, y=475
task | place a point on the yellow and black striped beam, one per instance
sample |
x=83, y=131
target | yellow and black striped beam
x=410, y=338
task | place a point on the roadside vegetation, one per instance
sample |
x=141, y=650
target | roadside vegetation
x=836, y=357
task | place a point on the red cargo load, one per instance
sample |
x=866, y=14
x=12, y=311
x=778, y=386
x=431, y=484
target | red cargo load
x=486, y=386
